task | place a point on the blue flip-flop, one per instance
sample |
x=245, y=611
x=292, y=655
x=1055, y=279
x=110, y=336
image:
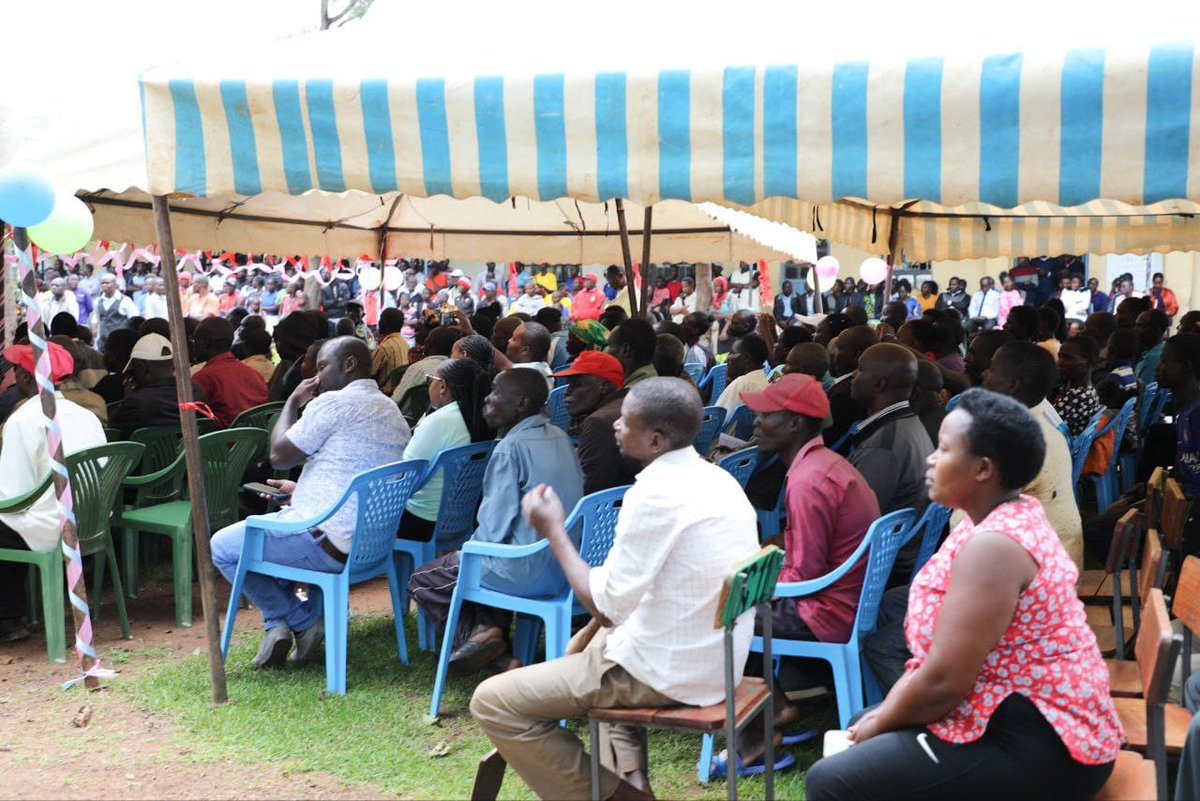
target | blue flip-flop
x=797, y=739
x=718, y=768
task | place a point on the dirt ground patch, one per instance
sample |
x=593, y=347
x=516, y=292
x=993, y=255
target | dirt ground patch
x=124, y=752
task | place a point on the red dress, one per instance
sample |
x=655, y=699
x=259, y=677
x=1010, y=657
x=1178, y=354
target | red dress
x=1048, y=654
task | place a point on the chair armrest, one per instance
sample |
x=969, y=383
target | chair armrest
x=23, y=502
x=801, y=589
x=503, y=551
x=157, y=477
x=270, y=522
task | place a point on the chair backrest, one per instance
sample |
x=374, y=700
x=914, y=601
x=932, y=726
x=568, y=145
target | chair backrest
x=462, y=485
x=259, y=416
x=1154, y=497
x=929, y=528
x=695, y=370
x=1081, y=445
x=741, y=464
x=710, y=429
x=1117, y=425
x=1175, y=510
x=740, y=424
x=415, y=402
x=162, y=446
x=748, y=584
x=1154, y=400
x=1185, y=604
x=1124, y=541
x=112, y=434
x=556, y=407
x=596, y=517
x=111, y=408
x=224, y=456
x=380, y=496
x=714, y=383
x=96, y=475
x=952, y=404
x=1153, y=566
x=1156, y=648
x=885, y=537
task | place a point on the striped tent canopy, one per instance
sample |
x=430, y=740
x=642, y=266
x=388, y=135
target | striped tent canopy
x=1013, y=132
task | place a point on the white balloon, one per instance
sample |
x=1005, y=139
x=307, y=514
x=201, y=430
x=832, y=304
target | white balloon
x=393, y=278
x=826, y=282
x=370, y=278
x=873, y=270
x=827, y=266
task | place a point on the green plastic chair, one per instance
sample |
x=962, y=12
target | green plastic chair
x=262, y=416
x=224, y=455
x=49, y=567
x=112, y=434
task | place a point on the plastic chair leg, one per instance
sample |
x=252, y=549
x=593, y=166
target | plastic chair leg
x=54, y=610
x=130, y=552
x=398, y=611
x=33, y=586
x=872, y=693
x=97, y=585
x=235, y=595
x=704, y=768
x=405, y=558
x=842, y=689
x=337, y=620
x=118, y=590
x=181, y=560
x=443, y=662
x=525, y=639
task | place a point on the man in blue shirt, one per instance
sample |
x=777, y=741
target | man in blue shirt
x=531, y=452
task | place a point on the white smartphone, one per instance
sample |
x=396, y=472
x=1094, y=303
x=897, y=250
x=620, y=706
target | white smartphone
x=836, y=741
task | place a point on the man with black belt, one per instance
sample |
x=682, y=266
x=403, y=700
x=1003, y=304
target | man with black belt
x=348, y=428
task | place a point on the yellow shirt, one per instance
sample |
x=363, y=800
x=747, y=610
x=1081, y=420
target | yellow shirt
x=548, y=282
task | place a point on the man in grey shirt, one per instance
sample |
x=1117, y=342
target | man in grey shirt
x=348, y=427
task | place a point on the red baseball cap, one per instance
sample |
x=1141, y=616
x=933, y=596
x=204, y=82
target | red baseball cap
x=597, y=363
x=795, y=392
x=61, y=363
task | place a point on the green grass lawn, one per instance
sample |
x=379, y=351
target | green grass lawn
x=376, y=734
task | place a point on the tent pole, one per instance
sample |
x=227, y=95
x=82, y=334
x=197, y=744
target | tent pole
x=76, y=586
x=704, y=298
x=633, y=307
x=647, y=227
x=191, y=449
x=10, y=296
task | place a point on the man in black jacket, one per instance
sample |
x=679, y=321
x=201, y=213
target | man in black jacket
x=788, y=305
x=595, y=389
x=334, y=296
x=150, y=397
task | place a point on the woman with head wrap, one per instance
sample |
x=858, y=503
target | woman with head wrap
x=586, y=335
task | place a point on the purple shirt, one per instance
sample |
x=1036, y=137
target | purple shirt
x=85, y=305
x=830, y=506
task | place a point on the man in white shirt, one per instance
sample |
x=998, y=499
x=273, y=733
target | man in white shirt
x=656, y=597
x=530, y=302
x=24, y=464
x=154, y=304
x=744, y=371
x=685, y=304
x=984, y=308
x=59, y=300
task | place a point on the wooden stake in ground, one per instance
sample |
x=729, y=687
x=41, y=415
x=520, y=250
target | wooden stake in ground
x=633, y=307
x=191, y=449
x=76, y=587
x=647, y=224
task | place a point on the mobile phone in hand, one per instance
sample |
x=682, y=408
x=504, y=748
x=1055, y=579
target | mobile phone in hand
x=266, y=489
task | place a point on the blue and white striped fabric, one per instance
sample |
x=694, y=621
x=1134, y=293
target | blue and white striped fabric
x=1002, y=130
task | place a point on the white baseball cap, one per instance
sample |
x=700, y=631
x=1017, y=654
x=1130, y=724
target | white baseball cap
x=151, y=348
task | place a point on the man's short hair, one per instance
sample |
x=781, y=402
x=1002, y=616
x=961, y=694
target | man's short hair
x=755, y=348
x=1005, y=432
x=257, y=341
x=537, y=339
x=441, y=340
x=530, y=384
x=670, y=406
x=669, y=354
x=550, y=318
x=218, y=332
x=65, y=324
x=1187, y=347
x=391, y=321
x=637, y=335
x=794, y=335
x=1031, y=363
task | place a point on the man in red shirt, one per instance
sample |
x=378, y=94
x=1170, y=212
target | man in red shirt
x=230, y=386
x=589, y=302
x=830, y=506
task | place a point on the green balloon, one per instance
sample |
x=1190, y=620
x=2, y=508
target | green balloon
x=68, y=228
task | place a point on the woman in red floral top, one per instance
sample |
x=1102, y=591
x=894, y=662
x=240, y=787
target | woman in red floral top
x=1006, y=695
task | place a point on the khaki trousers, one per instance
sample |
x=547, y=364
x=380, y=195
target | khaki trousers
x=520, y=710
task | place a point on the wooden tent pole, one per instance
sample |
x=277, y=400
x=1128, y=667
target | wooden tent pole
x=191, y=449
x=633, y=307
x=647, y=227
x=10, y=296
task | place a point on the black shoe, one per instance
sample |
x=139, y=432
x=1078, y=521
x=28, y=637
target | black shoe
x=471, y=657
x=307, y=643
x=274, y=649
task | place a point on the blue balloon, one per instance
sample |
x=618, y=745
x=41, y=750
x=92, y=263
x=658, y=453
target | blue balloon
x=26, y=197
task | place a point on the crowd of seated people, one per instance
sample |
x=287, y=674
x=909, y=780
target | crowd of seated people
x=852, y=421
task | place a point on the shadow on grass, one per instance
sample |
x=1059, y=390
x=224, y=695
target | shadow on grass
x=375, y=735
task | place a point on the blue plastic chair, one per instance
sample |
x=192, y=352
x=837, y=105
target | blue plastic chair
x=952, y=404
x=556, y=406
x=381, y=495
x=1106, y=484
x=1149, y=411
x=695, y=370
x=710, y=429
x=930, y=527
x=845, y=443
x=1079, y=450
x=462, y=470
x=880, y=544
x=740, y=424
x=714, y=383
x=596, y=517
x=770, y=521
x=740, y=464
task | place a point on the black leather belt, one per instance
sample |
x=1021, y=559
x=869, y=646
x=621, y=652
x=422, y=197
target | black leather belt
x=327, y=546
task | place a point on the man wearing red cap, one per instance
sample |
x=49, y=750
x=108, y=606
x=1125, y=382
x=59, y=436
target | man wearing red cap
x=589, y=302
x=24, y=464
x=829, y=504
x=463, y=299
x=595, y=389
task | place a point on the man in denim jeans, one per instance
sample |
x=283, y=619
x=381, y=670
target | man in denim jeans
x=348, y=427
